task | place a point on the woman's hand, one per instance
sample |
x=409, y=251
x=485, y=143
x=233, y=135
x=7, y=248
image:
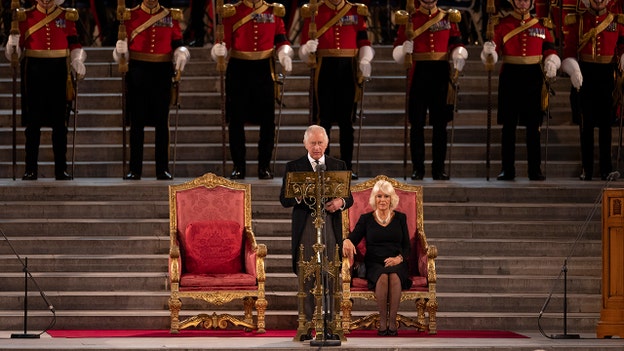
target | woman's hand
x=393, y=261
x=348, y=249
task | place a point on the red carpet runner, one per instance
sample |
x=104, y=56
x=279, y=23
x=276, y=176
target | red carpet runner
x=131, y=333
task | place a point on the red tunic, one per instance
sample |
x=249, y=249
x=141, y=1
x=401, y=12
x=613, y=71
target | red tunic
x=158, y=39
x=262, y=33
x=57, y=35
x=598, y=49
x=526, y=47
x=438, y=40
x=349, y=32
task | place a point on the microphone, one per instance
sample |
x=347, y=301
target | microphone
x=321, y=167
x=615, y=175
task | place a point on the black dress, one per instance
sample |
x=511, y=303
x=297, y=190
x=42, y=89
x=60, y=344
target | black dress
x=381, y=243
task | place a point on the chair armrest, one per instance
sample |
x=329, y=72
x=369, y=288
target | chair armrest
x=175, y=262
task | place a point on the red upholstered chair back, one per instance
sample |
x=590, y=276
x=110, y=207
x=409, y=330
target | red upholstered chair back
x=202, y=204
x=410, y=203
x=208, y=217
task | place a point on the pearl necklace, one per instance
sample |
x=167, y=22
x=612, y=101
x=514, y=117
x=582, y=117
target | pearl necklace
x=383, y=221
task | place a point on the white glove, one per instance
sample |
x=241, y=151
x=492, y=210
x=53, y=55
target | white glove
x=59, y=2
x=551, y=65
x=308, y=48
x=408, y=47
x=571, y=67
x=121, y=49
x=284, y=55
x=399, y=52
x=622, y=62
x=218, y=50
x=78, y=57
x=366, y=55
x=459, y=55
x=489, y=49
x=12, y=46
x=181, y=56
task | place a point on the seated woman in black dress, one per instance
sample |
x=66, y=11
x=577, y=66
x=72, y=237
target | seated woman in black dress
x=387, y=248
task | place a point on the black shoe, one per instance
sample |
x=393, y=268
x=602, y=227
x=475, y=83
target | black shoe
x=265, y=173
x=164, y=175
x=392, y=332
x=63, y=176
x=505, y=176
x=132, y=176
x=382, y=332
x=537, y=176
x=354, y=176
x=236, y=174
x=440, y=176
x=417, y=175
x=585, y=176
x=29, y=176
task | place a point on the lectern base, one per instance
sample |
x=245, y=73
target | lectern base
x=24, y=336
x=325, y=342
x=566, y=336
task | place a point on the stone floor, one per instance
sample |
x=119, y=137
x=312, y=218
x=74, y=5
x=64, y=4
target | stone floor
x=535, y=341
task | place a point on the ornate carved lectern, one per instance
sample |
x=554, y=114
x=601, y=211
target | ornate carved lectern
x=612, y=313
x=314, y=189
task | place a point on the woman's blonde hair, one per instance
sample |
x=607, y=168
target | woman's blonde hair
x=385, y=187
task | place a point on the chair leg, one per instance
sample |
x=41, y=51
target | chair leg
x=346, y=306
x=174, y=307
x=432, y=308
x=261, y=306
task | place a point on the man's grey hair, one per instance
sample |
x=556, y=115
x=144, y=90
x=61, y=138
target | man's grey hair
x=315, y=129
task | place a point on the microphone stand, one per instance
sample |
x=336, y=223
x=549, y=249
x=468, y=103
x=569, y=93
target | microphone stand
x=564, y=269
x=28, y=275
x=324, y=341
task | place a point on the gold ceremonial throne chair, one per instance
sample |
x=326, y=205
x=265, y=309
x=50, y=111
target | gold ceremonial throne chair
x=421, y=261
x=213, y=253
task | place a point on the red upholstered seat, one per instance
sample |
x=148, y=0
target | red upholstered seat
x=214, y=256
x=421, y=261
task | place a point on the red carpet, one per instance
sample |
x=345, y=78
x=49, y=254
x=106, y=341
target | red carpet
x=156, y=333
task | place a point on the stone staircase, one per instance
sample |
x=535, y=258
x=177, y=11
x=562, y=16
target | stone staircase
x=98, y=245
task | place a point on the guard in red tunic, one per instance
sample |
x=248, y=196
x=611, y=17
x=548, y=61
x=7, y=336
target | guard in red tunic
x=525, y=43
x=154, y=42
x=435, y=35
x=340, y=43
x=253, y=32
x=48, y=44
x=594, y=42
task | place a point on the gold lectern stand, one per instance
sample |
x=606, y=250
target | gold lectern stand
x=314, y=189
x=612, y=313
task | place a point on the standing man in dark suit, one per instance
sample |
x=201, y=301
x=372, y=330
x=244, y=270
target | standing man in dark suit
x=315, y=141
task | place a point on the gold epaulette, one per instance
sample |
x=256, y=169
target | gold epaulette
x=362, y=9
x=401, y=17
x=71, y=14
x=570, y=18
x=177, y=14
x=278, y=9
x=454, y=15
x=126, y=15
x=228, y=10
x=547, y=22
x=620, y=18
x=306, y=11
x=20, y=14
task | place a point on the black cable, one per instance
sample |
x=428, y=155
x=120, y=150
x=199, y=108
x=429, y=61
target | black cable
x=613, y=176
